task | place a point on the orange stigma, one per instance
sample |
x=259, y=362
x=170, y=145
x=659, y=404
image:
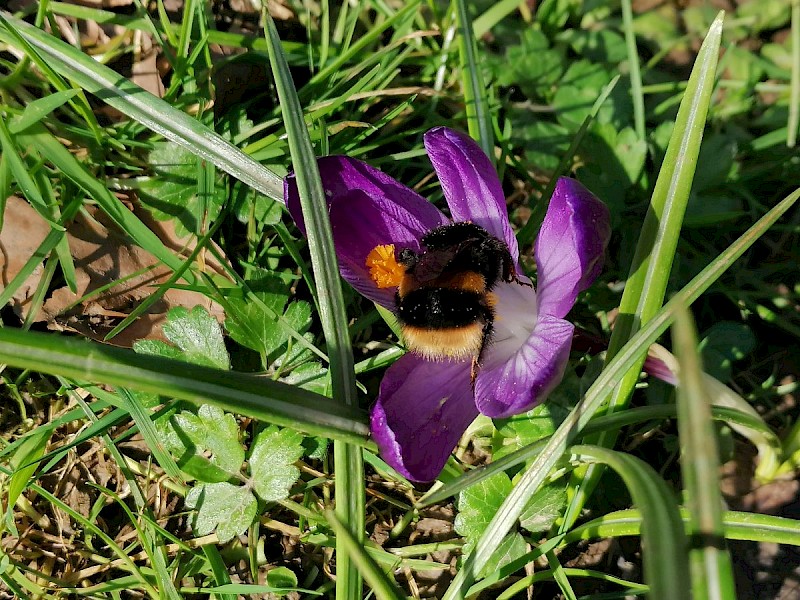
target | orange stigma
x=384, y=269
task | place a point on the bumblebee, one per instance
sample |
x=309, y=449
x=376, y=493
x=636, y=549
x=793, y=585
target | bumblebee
x=444, y=299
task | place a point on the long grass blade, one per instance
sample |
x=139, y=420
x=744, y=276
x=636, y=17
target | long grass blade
x=479, y=119
x=738, y=526
x=634, y=74
x=711, y=569
x=666, y=568
x=268, y=400
x=348, y=462
x=794, y=91
x=655, y=251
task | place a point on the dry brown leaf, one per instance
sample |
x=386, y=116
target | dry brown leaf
x=23, y=232
x=101, y=256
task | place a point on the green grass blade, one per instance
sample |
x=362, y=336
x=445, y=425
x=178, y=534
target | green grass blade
x=493, y=15
x=258, y=397
x=376, y=579
x=21, y=172
x=738, y=526
x=323, y=76
x=666, y=568
x=794, y=94
x=633, y=64
x=479, y=119
x=23, y=463
x=80, y=104
x=629, y=355
x=36, y=110
x=141, y=417
x=711, y=569
x=348, y=462
x=655, y=251
x=145, y=108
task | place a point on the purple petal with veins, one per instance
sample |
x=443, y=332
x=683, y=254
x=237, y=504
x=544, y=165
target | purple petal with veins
x=422, y=410
x=342, y=174
x=570, y=246
x=470, y=183
x=517, y=384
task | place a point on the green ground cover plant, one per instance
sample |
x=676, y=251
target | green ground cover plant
x=187, y=380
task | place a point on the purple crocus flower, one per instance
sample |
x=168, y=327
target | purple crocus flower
x=425, y=405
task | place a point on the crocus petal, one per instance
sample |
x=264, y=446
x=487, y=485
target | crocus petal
x=661, y=363
x=368, y=208
x=516, y=315
x=569, y=249
x=422, y=410
x=360, y=222
x=525, y=379
x=342, y=174
x=470, y=183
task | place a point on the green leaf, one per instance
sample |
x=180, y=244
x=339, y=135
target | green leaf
x=612, y=161
x=544, y=508
x=255, y=325
x=579, y=88
x=601, y=45
x=712, y=209
x=532, y=65
x=282, y=578
x=171, y=193
x=310, y=376
x=478, y=504
x=226, y=508
x=764, y=14
x=315, y=447
x=197, y=336
x=510, y=549
x=246, y=203
x=521, y=430
x=272, y=459
x=724, y=343
x=554, y=14
x=206, y=444
x=476, y=507
x=544, y=142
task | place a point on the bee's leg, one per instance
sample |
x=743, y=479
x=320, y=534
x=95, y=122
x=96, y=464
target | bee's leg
x=519, y=281
x=510, y=272
x=486, y=340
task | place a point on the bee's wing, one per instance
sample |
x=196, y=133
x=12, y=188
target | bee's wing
x=433, y=263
